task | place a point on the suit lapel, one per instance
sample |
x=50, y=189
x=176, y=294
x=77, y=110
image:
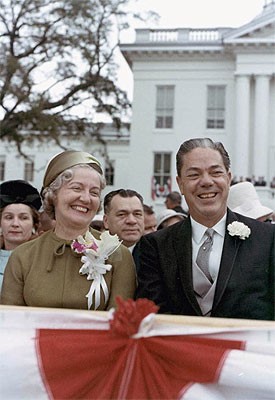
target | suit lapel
x=230, y=250
x=183, y=251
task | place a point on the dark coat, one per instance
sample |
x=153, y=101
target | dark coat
x=245, y=283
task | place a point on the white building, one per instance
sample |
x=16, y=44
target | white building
x=114, y=144
x=217, y=83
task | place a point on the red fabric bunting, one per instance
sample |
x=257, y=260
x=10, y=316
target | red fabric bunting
x=129, y=315
x=92, y=364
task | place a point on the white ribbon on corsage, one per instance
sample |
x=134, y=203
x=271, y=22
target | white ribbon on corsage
x=95, y=269
x=96, y=252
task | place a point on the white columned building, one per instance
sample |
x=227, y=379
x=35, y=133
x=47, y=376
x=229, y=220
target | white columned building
x=261, y=123
x=242, y=125
x=217, y=83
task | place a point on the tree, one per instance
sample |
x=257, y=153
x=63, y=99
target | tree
x=54, y=56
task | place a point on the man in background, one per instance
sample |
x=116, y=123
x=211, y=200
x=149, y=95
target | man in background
x=174, y=202
x=150, y=219
x=124, y=215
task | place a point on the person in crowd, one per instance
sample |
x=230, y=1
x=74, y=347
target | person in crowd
x=216, y=262
x=166, y=218
x=52, y=270
x=97, y=223
x=45, y=222
x=169, y=217
x=124, y=215
x=272, y=183
x=244, y=199
x=173, y=201
x=150, y=225
x=19, y=217
x=260, y=182
x=150, y=219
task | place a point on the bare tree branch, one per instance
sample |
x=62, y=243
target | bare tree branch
x=55, y=55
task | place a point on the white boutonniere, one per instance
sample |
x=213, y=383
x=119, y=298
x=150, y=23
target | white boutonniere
x=239, y=229
x=96, y=252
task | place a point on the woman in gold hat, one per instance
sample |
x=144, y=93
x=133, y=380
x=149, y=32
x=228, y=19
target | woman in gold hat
x=72, y=265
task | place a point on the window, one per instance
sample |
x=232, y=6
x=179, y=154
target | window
x=29, y=170
x=165, y=107
x=215, y=107
x=110, y=173
x=161, y=181
x=2, y=168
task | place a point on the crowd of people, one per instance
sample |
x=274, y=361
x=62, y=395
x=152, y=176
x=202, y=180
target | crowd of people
x=208, y=252
x=260, y=181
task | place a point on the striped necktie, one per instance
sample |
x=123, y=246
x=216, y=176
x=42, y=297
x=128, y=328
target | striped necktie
x=204, y=253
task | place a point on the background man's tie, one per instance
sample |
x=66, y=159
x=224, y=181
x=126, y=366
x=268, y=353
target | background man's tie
x=204, y=252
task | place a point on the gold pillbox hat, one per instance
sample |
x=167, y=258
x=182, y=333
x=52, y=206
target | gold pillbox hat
x=65, y=160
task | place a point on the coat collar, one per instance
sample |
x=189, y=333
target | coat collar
x=229, y=253
x=183, y=251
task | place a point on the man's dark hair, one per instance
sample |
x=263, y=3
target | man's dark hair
x=205, y=143
x=175, y=197
x=121, y=192
x=148, y=209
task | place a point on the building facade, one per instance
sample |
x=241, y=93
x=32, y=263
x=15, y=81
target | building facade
x=217, y=83
x=112, y=151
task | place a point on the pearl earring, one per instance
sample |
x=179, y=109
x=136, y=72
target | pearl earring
x=33, y=231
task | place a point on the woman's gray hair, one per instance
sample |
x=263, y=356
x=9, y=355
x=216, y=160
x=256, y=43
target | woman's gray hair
x=205, y=143
x=49, y=193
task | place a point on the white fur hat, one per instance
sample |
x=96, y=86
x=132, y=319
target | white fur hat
x=166, y=214
x=243, y=199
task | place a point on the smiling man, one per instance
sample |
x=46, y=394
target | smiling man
x=215, y=263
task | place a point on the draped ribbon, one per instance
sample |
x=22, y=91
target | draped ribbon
x=96, y=252
x=95, y=268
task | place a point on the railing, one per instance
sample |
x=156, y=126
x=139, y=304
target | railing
x=180, y=35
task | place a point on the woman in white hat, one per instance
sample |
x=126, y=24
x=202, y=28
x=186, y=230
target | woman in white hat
x=243, y=199
x=169, y=217
x=71, y=265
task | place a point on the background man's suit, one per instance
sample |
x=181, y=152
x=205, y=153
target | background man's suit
x=245, y=283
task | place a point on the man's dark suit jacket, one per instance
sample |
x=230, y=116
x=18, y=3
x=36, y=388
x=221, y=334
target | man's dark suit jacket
x=245, y=283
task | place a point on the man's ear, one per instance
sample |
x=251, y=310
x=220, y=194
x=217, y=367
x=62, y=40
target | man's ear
x=105, y=221
x=230, y=177
x=180, y=185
